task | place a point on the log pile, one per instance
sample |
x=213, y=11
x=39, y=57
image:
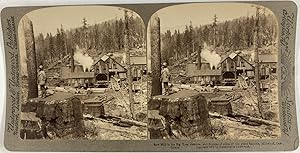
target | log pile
x=61, y=116
x=185, y=116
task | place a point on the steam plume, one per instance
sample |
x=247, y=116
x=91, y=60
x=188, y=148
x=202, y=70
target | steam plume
x=84, y=59
x=210, y=55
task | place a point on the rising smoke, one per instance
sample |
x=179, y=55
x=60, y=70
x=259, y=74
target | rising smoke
x=210, y=55
x=83, y=58
x=252, y=56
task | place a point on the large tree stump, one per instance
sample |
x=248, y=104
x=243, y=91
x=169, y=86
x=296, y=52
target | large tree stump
x=185, y=116
x=61, y=114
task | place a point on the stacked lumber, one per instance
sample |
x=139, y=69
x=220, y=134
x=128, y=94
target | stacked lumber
x=60, y=115
x=94, y=106
x=185, y=115
x=220, y=105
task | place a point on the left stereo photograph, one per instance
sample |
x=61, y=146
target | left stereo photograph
x=83, y=74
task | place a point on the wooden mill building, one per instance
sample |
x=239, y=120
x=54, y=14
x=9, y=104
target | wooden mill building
x=200, y=72
x=268, y=65
x=232, y=66
x=78, y=77
x=106, y=67
x=138, y=66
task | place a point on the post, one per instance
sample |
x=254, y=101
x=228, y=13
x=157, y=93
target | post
x=155, y=55
x=72, y=54
x=257, y=75
x=129, y=75
x=31, y=58
x=199, y=58
x=107, y=73
x=72, y=60
x=215, y=30
x=270, y=69
x=66, y=47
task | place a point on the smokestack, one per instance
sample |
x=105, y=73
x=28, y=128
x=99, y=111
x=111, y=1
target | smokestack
x=72, y=60
x=199, y=57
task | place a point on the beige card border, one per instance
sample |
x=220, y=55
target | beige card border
x=289, y=139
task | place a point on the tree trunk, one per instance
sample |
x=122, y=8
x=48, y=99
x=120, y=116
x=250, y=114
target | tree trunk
x=72, y=49
x=199, y=58
x=155, y=56
x=129, y=75
x=72, y=60
x=257, y=67
x=31, y=58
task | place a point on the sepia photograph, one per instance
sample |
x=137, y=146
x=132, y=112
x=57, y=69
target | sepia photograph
x=213, y=72
x=150, y=77
x=84, y=74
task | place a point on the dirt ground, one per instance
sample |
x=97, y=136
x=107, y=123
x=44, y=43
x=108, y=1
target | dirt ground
x=224, y=129
x=120, y=106
x=100, y=130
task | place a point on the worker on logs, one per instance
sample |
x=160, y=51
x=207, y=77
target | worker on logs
x=165, y=78
x=42, y=81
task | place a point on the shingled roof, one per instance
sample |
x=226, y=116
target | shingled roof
x=268, y=58
x=138, y=60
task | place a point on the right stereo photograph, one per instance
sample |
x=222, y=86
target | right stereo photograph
x=213, y=69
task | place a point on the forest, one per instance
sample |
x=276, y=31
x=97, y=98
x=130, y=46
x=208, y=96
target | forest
x=231, y=35
x=105, y=37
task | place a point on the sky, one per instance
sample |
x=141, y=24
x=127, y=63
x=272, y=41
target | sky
x=177, y=17
x=47, y=20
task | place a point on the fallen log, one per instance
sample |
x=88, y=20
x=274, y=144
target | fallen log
x=98, y=90
x=245, y=119
x=262, y=121
x=126, y=121
x=60, y=89
x=117, y=120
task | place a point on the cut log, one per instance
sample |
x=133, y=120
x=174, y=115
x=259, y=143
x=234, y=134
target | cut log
x=98, y=90
x=262, y=121
x=188, y=87
x=245, y=119
x=61, y=89
x=225, y=88
x=126, y=121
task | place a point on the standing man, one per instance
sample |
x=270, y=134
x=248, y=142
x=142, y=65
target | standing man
x=165, y=78
x=42, y=81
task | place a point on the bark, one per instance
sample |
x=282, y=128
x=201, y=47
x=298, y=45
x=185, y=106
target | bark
x=129, y=75
x=31, y=58
x=155, y=56
x=257, y=75
x=183, y=114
